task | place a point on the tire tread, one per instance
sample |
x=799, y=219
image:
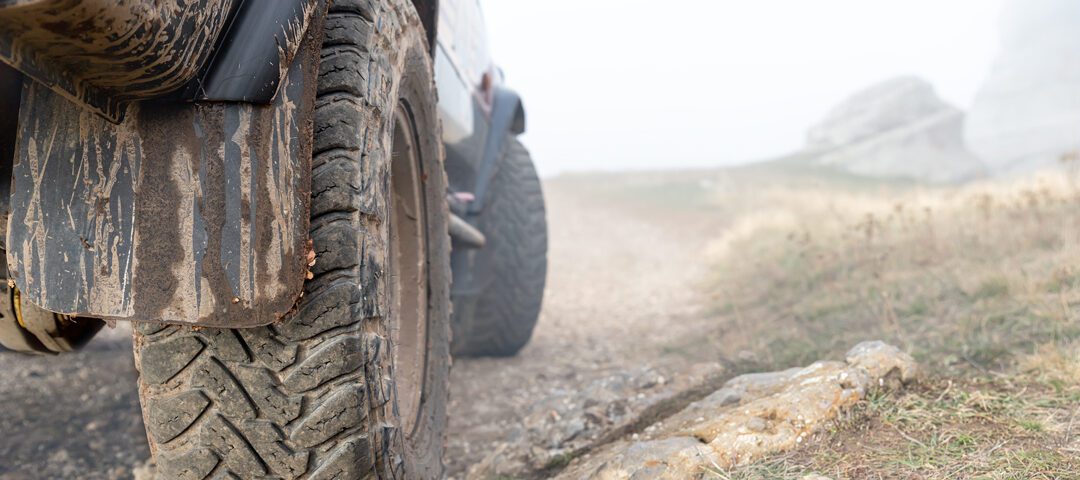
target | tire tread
x=306, y=398
x=515, y=225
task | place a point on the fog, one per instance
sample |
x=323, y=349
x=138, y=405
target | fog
x=634, y=84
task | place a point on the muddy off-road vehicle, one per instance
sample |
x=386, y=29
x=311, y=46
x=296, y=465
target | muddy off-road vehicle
x=268, y=190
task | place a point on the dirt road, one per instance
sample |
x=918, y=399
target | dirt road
x=621, y=284
x=74, y=416
x=618, y=288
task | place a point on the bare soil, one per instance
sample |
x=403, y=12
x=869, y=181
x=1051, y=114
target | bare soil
x=72, y=416
x=620, y=286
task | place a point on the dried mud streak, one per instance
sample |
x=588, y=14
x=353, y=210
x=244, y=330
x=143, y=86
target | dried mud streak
x=126, y=49
x=157, y=218
x=141, y=211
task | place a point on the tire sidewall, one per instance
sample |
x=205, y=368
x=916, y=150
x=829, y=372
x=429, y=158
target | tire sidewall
x=426, y=444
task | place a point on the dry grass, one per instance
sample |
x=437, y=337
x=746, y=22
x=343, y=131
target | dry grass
x=960, y=277
x=981, y=283
x=1002, y=428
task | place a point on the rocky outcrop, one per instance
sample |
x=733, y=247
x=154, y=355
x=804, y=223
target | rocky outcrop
x=887, y=106
x=899, y=128
x=557, y=424
x=1027, y=113
x=750, y=417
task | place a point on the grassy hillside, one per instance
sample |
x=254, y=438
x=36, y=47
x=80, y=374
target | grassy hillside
x=981, y=283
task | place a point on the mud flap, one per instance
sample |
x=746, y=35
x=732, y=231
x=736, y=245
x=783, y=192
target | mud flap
x=182, y=213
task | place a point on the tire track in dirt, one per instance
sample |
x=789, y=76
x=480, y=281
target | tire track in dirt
x=621, y=283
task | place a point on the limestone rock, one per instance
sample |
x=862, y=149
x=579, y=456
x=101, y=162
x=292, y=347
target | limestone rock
x=565, y=421
x=750, y=417
x=880, y=108
x=899, y=128
x=672, y=458
x=882, y=361
x=1027, y=112
x=930, y=150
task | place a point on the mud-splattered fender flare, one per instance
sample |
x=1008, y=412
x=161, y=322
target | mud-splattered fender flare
x=507, y=118
x=428, y=10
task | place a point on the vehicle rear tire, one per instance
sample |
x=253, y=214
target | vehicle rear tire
x=510, y=271
x=354, y=383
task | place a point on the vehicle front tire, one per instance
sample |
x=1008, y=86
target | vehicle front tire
x=499, y=315
x=354, y=383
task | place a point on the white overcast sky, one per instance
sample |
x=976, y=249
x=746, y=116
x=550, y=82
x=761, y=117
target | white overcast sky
x=642, y=84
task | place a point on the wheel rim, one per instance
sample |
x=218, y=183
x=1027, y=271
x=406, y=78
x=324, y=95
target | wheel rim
x=408, y=270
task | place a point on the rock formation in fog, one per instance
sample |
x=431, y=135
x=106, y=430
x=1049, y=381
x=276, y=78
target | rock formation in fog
x=899, y=128
x=1027, y=113
x=880, y=108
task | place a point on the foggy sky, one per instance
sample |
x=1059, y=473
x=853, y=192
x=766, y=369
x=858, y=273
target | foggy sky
x=634, y=84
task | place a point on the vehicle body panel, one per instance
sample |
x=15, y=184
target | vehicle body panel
x=468, y=83
x=478, y=113
x=461, y=61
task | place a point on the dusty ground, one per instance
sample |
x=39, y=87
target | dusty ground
x=620, y=285
x=617, y=289
x=75, y=416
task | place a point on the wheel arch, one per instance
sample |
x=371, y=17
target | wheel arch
x=429, y=17
x=507, y=118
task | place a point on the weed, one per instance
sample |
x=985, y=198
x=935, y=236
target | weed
x=992, y=287
x=1033, y=426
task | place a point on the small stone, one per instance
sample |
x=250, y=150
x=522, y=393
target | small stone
x=757, y=424
x=882, y=360
x=597, y=415
x=572, y=429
